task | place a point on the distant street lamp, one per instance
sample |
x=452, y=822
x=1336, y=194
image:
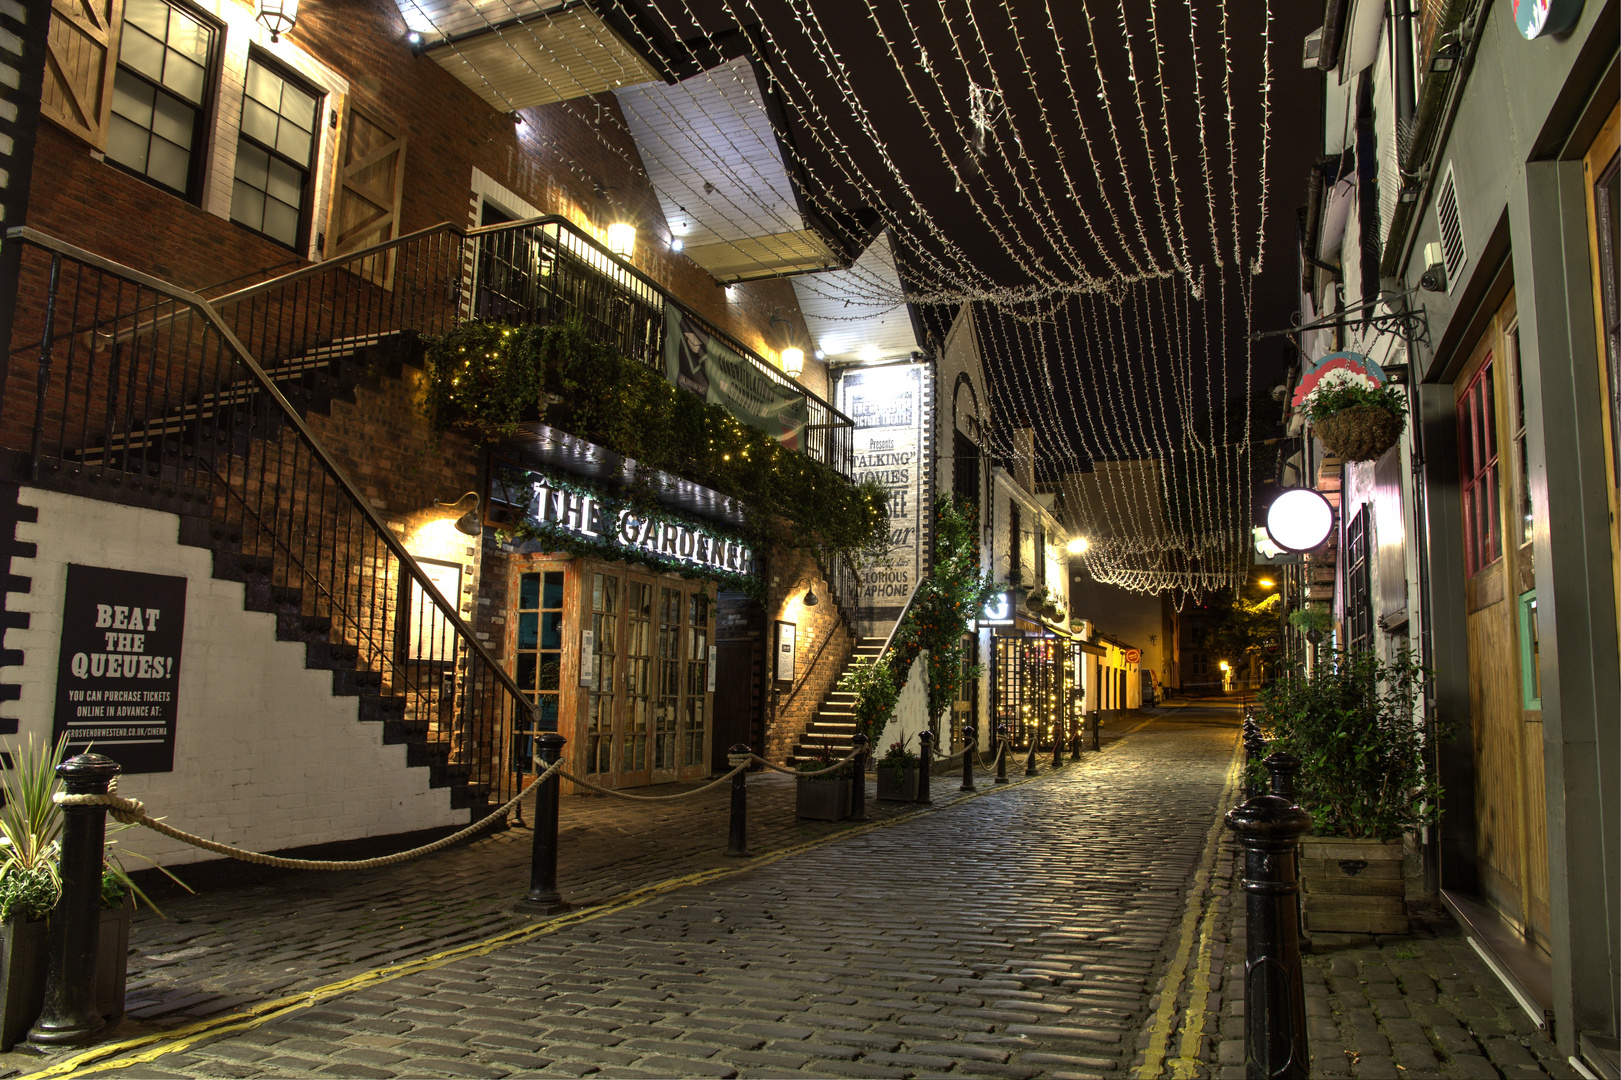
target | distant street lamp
x=1266, y=583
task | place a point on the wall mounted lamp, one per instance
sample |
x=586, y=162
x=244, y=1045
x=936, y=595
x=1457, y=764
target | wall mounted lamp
x=469, y=523
x=277, y=16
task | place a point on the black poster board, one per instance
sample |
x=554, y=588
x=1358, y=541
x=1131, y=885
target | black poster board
x=118, y=676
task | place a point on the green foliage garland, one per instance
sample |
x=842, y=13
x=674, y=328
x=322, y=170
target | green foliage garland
x=486, y=380
x=1364, y=771
x=1312, y=617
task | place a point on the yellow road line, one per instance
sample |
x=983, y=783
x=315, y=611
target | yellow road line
x=179, y=1039
x=1160, y=1029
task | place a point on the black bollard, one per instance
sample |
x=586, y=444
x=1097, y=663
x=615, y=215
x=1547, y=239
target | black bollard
x=737, y=837
x=970, y=744
x=1001, y=754
x=1254, y=747
x=69, y=1017
x=925, y=760
x=1030, y=755
x=1283, y=766
x=1077, y=725
x=1269, y=830
x=858, y=782
x=543, y=897
x=1058, y=744
x=1097, y=722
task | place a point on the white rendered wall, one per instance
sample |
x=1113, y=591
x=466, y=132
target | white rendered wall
x=265, y=756
x=911, y=715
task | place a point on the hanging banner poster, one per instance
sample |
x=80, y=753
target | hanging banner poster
x=118, y=675
x=698, y=363
x=891, y=407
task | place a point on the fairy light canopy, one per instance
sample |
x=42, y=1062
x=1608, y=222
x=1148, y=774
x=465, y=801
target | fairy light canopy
x=1093, y=177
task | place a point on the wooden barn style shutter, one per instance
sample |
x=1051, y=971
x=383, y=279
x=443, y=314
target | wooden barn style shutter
x=81, y=53
x=366, y=197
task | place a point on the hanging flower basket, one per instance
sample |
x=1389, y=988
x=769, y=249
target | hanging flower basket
x=1359, y=432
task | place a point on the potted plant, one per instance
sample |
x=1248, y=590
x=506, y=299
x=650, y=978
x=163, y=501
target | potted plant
x=1365, y=778
x=897, y=774
x=30, y=837
x=1355, y=411
x=1036, y=599
x=824, y=797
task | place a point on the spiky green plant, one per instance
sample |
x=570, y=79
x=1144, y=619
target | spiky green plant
x=30, y=830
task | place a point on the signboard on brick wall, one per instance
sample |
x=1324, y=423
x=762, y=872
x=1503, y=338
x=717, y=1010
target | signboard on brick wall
x=118, y=675
x=893, y=407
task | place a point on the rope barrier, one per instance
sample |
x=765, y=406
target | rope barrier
x=656, y=798
x=795, y=772
x=133, y=812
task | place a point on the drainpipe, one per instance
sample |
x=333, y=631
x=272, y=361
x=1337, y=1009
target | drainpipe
x=1404, y=62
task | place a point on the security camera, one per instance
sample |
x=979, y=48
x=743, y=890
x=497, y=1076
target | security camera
x=1434, y=278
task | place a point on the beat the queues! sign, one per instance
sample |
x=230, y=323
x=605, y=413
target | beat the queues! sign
x=118, y=676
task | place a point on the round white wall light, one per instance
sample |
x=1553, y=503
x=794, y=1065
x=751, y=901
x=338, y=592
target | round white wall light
x=1299, y=520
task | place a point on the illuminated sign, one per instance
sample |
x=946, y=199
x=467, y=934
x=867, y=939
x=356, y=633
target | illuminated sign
x=670, y=541
x=998, y=611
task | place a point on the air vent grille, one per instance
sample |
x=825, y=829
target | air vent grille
x=1446, y=214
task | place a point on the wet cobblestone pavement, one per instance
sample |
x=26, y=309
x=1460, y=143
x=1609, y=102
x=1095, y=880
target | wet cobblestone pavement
x=1028, y=931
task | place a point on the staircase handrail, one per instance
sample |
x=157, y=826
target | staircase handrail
x=563, y=224
x=295, y=419
x=890, y=640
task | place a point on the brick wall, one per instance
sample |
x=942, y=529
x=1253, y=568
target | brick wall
x=554, y=160
x=266, y=757
x=823, y=646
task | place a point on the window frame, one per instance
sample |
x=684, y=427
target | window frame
x=312, y=180
x=205, y=137
x=1530, y=658
x=1477, y=418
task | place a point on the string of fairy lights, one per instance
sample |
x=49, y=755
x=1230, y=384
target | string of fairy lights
x=1113, y=310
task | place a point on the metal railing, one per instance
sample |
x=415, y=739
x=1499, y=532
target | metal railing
x=134, y=386
x=541, y=271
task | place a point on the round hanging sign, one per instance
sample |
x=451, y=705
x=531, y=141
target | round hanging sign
x=1538, y=18
x=1299, y=520
x=1133, y=656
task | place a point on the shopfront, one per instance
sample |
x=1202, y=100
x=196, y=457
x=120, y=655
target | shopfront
x=1035, y=684
x=618, y=654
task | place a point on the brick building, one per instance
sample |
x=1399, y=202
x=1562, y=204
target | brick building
x=228, y=253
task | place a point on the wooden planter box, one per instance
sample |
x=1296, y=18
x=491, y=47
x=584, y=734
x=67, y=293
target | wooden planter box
x=22, y=978
x=1353, y=886
x=112, y=960
x=822, y=800
x=897, y=788
x=24, y=951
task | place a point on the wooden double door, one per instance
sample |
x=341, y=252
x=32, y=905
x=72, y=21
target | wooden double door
x=1500, y=599
x=624, y=660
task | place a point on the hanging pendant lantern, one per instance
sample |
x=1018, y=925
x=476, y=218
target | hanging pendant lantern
x=277, y=16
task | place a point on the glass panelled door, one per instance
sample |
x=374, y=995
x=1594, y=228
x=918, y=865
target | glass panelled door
x=695, y=694
x=640, y=641
x=602, y=695
x=667, y=682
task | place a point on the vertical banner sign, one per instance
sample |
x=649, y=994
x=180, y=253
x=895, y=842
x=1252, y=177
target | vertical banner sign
x=588, y=653
x=891, y=409
x=714, y=651
x=118, y=676
x=697, y=363
x=787, y=634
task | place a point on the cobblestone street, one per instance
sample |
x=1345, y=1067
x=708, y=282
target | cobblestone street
x=1027, y=930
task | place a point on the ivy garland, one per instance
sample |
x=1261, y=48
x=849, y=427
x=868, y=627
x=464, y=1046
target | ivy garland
x=486, y=379
x=552, y=536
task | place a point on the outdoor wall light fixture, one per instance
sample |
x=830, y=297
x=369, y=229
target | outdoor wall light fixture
x=1225, y=666
x=1077, y=546
x=1409, y=194
x=793, y=362
x=820, y=355
x=810, y=597
x=1299, y=520
x=676, y=243
x=469, y=523
x=622, y=239
x=277, y=16
x=1446, y=58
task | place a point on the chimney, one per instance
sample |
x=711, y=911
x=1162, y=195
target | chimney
x=1024, y=458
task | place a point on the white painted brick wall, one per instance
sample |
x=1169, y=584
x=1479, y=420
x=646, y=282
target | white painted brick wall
x=265, y=756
